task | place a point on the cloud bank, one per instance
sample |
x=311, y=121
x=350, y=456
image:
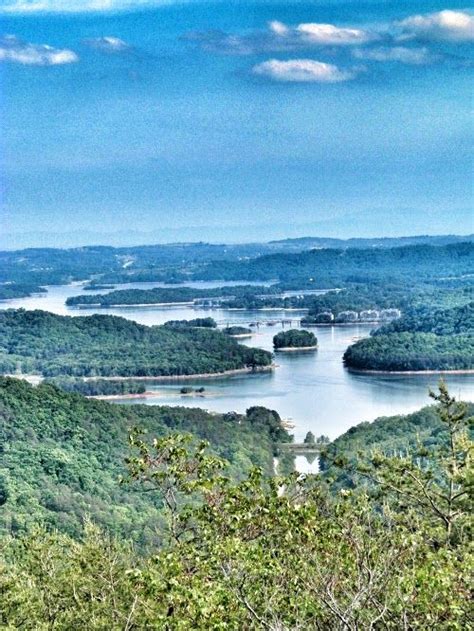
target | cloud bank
x=454, y=26
x=401, y=54
x=15, y=50
x=301, y=71
x=279, y=37
x=447, y=26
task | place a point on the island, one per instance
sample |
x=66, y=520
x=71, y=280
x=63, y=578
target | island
x=295, y=340
x=238, y=331
x=424, y=340
x=11, y=290
x=111, y=347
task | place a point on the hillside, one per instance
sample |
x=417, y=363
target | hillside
x=166, y=262
x=391, y=435
x=105, y=346
x=62, y=456
x=389, y=550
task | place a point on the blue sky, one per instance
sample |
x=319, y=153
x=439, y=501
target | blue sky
x=236, y=120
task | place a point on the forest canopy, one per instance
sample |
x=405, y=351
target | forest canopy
x=294, y=338
x=62, y=456
x=425, y=338
x=109, y=346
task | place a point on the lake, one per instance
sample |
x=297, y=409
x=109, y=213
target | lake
x=313, y=390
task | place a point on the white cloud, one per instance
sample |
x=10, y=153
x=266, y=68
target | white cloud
x=456, y=26
x=330, y=35
x=302, y=71
x=279, y=37
x=108, y=44
x=412, y=56
x=74, y=6
x=15, y=50
x=278, y=27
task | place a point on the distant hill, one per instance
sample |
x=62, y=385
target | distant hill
x=173, y=262
x=331, y=267
x=381, y=242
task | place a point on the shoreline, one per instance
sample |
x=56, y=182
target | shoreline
x=37, y=379
x=368, y=371
x=149, y=394
x=208, y=375
x=313, y=326
x=98, y=305
x=291, y=349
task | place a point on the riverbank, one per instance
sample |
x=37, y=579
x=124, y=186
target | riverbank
x=364, y=371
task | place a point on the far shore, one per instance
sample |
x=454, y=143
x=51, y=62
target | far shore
x=314, y=325
x=291, y=349
x=364, y=371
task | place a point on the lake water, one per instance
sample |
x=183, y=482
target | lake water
x=313, y=390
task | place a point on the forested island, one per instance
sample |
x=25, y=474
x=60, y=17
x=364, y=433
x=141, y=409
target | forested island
x=238, y=331
x=164, y=295
x=195, y=323
x=9, y=290
x=294, y=339
x=38, y=342
x=425, y=339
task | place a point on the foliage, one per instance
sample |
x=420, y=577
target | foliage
x=237, y=330
x=97, y=387
x=162, y=295
x=10, y=290
x=294, y=338
x=62, y=456
x=423, y=339
x=454, y=321
x=109, y=346
x=263, y=553
x=200, y=323
x=331, y=267
x=412, y=351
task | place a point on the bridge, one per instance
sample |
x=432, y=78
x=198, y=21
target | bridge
x=260, y=322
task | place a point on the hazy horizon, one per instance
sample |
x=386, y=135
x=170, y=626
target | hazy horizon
x=77, y=239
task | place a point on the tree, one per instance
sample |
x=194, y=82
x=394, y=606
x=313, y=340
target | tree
x=438, y=484
x=310, y=439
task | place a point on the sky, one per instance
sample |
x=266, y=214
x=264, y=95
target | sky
x=235, y=121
